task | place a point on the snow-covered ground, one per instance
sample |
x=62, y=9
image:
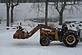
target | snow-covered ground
x=31, y=46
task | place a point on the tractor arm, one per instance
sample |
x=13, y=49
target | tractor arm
x=20, y=34
x=39, y=27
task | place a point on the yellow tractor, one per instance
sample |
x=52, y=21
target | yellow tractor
x=48, y=34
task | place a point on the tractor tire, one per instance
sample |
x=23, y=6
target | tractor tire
x=44, y=41
x=70, y=40
x=79, y=32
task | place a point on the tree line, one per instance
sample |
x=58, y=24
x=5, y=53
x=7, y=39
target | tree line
x=59, y=6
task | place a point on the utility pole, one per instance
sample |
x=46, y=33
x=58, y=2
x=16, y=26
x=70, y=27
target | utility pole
x=46, y=12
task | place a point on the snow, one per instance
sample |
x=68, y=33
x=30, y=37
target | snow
x=31, y=46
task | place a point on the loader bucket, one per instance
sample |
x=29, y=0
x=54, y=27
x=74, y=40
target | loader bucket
x=19, y=35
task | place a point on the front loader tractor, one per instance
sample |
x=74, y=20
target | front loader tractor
x=70, y=38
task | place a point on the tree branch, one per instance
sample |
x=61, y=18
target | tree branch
x=56, y=5
x=57, y=9
x=63, y=7
x=13, y=5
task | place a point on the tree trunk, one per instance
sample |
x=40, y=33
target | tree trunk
x=61, y=18
x=61, y=14
x=12, y=8
x=8, y=15
x=46, y=12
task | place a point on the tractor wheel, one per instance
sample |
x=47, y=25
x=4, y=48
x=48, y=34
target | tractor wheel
x=44, y=41
x=70, y=40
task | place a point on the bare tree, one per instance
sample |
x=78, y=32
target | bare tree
x=46, y=12
x=8, y=8
x=60, y=7
x=10, y=4
x=13, y=4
